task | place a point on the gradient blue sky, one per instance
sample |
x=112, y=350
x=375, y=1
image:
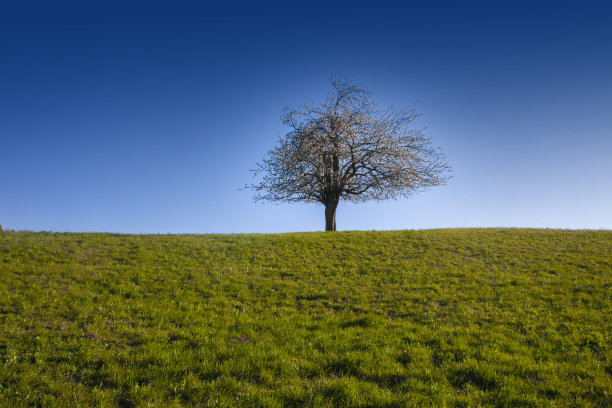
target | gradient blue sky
x=146, y=117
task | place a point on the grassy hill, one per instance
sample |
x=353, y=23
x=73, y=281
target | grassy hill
x=490, y=317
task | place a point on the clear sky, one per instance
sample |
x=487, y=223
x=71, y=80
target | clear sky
x=146, y=117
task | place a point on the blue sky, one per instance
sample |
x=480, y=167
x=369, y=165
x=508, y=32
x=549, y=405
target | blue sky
x=146, y=117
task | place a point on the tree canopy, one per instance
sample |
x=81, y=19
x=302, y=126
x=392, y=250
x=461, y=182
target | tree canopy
x=347, y=148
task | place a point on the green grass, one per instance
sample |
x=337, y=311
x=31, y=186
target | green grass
x=474, y=317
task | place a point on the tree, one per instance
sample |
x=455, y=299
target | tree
x=348, y=149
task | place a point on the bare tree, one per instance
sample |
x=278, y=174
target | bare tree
x=348, y=149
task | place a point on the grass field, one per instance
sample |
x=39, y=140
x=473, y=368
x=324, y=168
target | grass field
x=474, y=317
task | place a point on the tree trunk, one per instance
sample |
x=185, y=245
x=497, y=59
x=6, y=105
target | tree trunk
x=330, y=215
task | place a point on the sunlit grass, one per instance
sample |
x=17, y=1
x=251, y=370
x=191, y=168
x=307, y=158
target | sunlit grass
x=472, y=317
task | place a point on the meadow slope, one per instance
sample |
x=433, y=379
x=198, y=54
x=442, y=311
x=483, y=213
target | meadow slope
x=465, y=317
